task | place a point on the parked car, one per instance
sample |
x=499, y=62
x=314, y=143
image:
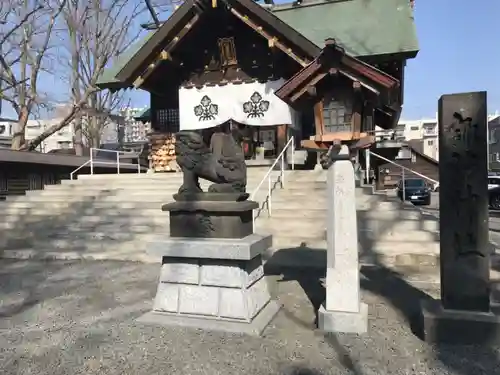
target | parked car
x=417, y=191
x=493, y=181
x=494, y=197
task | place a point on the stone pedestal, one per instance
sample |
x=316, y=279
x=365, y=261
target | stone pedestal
x=212, y=283
x=464, y=313
x=453, y=326
x=210, y=219
x=343, y=310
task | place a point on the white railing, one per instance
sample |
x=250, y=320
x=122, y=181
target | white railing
x=268, y=176
x=93, y=161
x=403, y=169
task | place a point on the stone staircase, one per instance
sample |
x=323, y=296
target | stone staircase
x=114, y=217
x=94, y=217
x=390, y=233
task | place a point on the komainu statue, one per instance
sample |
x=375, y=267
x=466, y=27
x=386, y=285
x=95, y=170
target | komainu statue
x=213, y=155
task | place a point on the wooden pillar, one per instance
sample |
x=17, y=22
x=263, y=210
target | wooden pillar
x=318, y=121
x=281, y=137
x=357, y=108
x=368, y=124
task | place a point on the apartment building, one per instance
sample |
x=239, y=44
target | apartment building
x=424, y=131
x=494, y=142
x=135, y=130
x=63, y=139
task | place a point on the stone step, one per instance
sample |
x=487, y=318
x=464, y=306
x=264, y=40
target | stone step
x=13, y=206
x=278, y=202
x=134, y=247
x=379, y=247
x=82, y=230
x=372, y=225
x=84, y=250
x=174, y=185
x=75, y=210
x=89, y=196
x=101, y=191
x=287, y=194
x=98, y=229
x=11, y=222
x=34, y=200
x=392, y=236
x=154, y=176
x=381, y=225
x=81, y=240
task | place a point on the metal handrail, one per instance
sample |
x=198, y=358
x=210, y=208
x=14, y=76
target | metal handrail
x=402, y=167
x=91, y=161
x=281, y=178
x=77, y=169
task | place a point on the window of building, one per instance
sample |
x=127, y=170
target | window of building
x=413, y=157
x=168, y=120
x=414, y=128
x=337, y=116
x=64, y=145
x=430, y=142
x=493, y=137
x=404, y=153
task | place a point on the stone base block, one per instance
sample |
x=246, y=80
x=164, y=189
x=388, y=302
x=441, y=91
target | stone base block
x=459, y=326
x=209, y=282
x=255, y=327
x=341, y=321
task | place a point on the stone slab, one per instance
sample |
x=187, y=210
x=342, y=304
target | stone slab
x=341, y=321
x=210, y=248
x=439, y=325
x=254, y=328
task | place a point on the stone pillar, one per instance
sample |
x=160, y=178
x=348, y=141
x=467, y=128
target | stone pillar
x=464, y=313
x=343, y=310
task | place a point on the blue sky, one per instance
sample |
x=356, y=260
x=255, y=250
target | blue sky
x=459, y=52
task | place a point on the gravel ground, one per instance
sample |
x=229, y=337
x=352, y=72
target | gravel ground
x=79, y=318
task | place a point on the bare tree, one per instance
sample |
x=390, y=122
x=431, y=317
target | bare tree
x=25, y=39
x=105, y=112
x=97, y=31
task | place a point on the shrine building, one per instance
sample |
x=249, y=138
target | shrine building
x=316, y=70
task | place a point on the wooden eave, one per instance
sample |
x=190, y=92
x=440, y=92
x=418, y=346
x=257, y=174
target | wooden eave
x=387, y=117
x=364, y=141
x=334, y=60
x=278, y=33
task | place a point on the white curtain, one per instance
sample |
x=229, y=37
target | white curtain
x=251, y=104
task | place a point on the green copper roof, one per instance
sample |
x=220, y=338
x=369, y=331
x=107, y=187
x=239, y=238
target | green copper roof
x=108, y=76
x=362, y=27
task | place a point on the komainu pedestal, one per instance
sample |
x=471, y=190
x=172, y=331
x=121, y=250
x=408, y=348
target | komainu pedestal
x=212, y=276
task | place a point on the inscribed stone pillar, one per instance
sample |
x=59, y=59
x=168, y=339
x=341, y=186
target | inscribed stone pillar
x=463, y=200
x=464, y=313
x=343, y=311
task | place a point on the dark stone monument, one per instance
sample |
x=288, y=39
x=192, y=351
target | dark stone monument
x=464, y=313
x=212, y=275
